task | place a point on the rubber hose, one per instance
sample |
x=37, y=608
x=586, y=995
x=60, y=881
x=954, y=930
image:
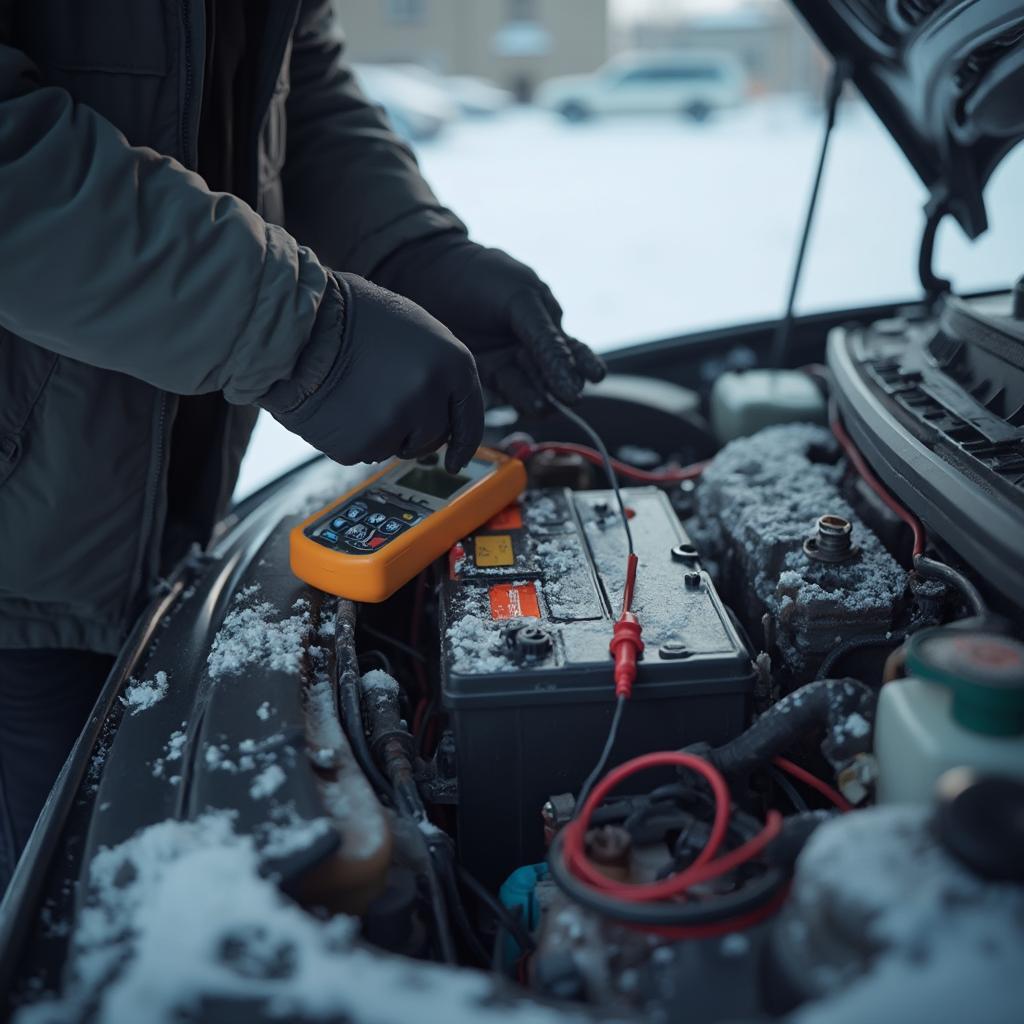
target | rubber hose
x=349, y=704
x=825, y=704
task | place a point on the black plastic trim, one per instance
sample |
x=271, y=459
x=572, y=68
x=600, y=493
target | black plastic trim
x=981, y=529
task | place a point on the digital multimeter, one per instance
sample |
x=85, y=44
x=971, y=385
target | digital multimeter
x=379, y=535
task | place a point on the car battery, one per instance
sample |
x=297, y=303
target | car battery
x=527, y=611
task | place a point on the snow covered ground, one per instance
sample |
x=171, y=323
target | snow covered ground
x=649, y=227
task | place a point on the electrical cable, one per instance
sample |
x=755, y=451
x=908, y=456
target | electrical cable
x=602, y=761
x=757, y=899
x=927, y=567
x=397, y=644
x=854, y=644
x=626, y=644
x=349, y=702
x=827, y=791
x=445, y=940
x=462, y=921
x=705, y=867
x=780, y=343
x=792, y=793
x=857, y=460
x=385, y=661
x=523, y=450
x=609, y=467
x=931, y=569
x=508, y=920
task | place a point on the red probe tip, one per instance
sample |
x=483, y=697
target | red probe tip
x=626, y=646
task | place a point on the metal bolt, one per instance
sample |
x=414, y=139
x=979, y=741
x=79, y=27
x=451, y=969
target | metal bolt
x=691, y=580
x=684, y=553
x=609, y=846
x=671, y=649
x=531, y=643
x=833, y=540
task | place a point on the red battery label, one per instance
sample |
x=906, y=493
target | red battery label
x=514, y=601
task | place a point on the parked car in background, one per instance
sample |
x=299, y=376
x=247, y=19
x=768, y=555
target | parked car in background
x=467, y=95
x=689, y=82
x=477, y=97
x=417, y=106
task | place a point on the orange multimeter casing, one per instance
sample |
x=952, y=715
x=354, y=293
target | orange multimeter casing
x=378, y=536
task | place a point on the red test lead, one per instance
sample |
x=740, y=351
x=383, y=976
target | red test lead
x=626, y=645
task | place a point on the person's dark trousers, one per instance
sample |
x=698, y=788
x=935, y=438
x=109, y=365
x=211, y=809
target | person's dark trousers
x=45, y=700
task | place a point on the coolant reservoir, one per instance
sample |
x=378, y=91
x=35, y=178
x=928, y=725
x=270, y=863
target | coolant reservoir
x=962, y=703
x=744, y=403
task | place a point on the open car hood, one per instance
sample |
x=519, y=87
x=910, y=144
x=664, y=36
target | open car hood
x=947, y=79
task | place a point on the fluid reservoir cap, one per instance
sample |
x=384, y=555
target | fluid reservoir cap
x=980, y=820
x=985, y=671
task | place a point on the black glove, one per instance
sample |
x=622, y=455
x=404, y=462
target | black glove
x=399, y=382
x=501, y=310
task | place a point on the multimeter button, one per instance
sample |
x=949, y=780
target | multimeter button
x=392, y=526
x=411, y=517
x=329, y=535
x=354, y=512
x=375, y=542
x=358, y=533
x=337, y=523
x=376, y=518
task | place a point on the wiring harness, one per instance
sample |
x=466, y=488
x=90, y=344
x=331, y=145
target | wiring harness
x=719, y=879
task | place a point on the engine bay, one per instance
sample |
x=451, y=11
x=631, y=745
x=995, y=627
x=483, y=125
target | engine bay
x=809, y=801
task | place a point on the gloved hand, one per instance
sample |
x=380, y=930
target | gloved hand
x=399, y=382
x=501, y=311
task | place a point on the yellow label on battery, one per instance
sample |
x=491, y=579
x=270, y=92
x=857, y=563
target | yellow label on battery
x=493, y=549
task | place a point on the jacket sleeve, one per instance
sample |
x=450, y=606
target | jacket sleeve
x=117, y=256
x=352, y=189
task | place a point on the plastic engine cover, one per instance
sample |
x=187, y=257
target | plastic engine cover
x=527, y=614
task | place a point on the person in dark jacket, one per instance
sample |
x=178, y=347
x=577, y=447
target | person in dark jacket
x=200, y=216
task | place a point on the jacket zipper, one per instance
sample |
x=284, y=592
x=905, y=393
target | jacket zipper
x=188, y=155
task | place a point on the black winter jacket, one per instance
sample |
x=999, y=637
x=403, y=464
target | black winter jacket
x=125, y=283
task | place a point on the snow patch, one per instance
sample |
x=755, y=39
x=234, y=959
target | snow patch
x=378, y=679
x=268, y=782
x=253, y=634
x=477, y=644
x=281, y=839
x=141, y=696
x=945, y=945
x=857, y=725
x=173, y=749
x=178, y=916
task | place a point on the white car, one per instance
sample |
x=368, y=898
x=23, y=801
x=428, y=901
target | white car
x=693, y=83
x=418, y=109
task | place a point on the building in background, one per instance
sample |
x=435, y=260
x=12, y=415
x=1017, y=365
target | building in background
x=775, y=47
x=516, y=43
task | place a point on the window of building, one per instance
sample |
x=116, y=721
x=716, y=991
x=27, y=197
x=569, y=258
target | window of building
x=521, y=10
x=407, y=12
x=672, y=73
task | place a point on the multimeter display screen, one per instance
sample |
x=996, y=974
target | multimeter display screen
x=435, y=482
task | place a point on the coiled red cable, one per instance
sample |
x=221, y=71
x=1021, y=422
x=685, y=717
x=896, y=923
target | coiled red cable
x=833, y=795
x=705, y=867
